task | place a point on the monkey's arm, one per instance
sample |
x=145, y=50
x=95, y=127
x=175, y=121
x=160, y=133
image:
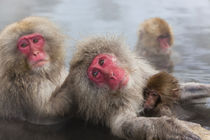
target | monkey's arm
x=193, y=90
x=195, y=99
x=60, y=102
x=127, y=125
x=195, y=94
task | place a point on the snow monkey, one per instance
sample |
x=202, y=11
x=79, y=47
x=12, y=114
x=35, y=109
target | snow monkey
x=162, y=94
x=186, y=101
x=107, y=82
x=155, y=38
x=32, y=68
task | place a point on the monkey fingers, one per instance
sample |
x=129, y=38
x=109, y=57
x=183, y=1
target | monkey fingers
x=170, y=129
x=197, y=129
x=163, y=128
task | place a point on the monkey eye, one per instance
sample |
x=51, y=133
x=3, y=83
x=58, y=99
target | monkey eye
x=95, y=73
x=101, y=62
x=154, y=94
x=23, y=45
x=35, y=40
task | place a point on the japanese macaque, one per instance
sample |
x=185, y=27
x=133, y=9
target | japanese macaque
x=32, y=69
x=108, y=81
x=165, y=97
x=155, y=38
x=161, y=94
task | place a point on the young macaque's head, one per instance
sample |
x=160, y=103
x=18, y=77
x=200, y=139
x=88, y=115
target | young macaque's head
x=33, y=44
x=156, y=35
x=161, y=88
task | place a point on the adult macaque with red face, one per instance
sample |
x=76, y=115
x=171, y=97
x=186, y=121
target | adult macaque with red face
x=105, y=72
x=32, y=46
x=107, y=82
x=155, y=38
x=32, y=71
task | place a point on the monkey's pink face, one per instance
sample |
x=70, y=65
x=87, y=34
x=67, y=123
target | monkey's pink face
x=164, y=42
x=32, y=46
x=151, y=100
x=104, y=71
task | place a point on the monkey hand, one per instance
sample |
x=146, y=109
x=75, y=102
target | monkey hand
x=197, y=129
x=153, y=128
x=171, y=129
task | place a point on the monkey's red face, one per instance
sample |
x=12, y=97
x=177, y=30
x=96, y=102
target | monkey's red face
x=104, y=71
x=164, y=42
x=32, y=46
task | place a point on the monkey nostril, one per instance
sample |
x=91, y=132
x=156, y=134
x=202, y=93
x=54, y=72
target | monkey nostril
x=112, y=76
x=35, y=53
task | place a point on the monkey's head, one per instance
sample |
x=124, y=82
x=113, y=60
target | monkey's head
x=156, y=34
x=106, y=74
x=165, y=85
x=104, y=71
x=32, y=45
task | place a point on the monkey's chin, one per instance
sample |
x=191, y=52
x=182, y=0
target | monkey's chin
x=39, y=63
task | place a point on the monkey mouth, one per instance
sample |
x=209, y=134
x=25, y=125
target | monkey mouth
x=122, y=83
x=39, y=63
x=164, y=43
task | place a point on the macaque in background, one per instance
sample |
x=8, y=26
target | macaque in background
x=32, y=68
x=155, y=38
x=107, y=82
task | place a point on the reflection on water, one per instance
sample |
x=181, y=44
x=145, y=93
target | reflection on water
x=78, y=19
x=72, y=130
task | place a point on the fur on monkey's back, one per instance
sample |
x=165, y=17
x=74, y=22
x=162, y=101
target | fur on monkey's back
x=21, y=88
x=98, y=103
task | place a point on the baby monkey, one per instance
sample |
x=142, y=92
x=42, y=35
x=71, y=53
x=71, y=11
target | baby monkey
x=161, y=95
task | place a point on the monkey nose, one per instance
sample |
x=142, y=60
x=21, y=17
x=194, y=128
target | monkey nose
x=111, y=76
x=35, y=53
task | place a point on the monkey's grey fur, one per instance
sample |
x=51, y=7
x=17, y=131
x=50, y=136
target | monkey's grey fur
x=118, y=109
x=27, y=93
